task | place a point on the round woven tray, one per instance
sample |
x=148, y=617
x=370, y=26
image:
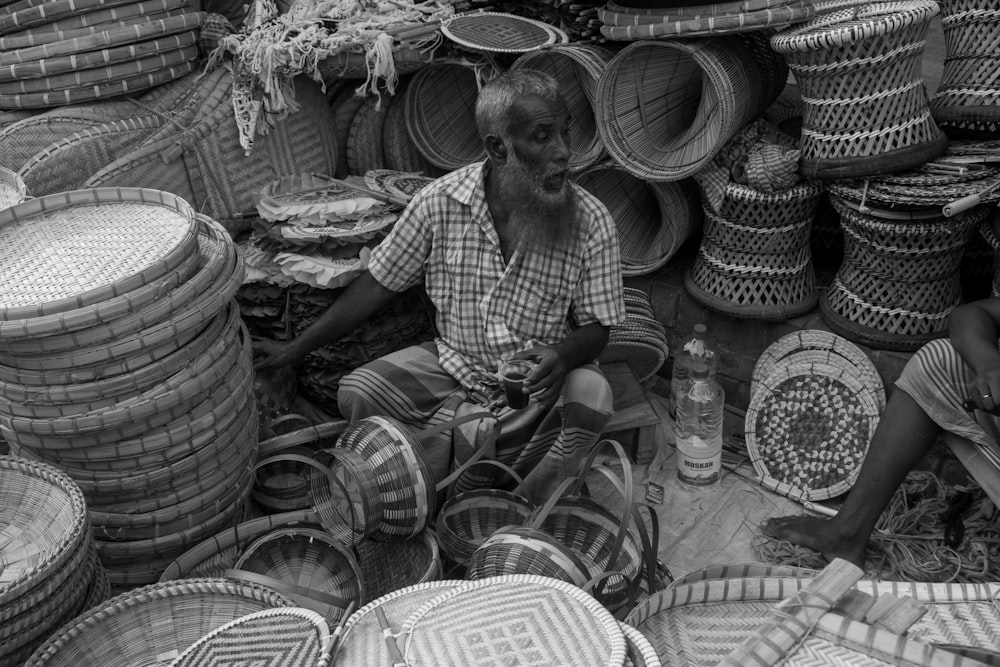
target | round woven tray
x=119, y=240
x=666, y=107
x=440, y=113
x=30, y=13
x=153, y=623
x=113, y=44
x=282, y=636
x=640, y=651
x=821, y=346
x=497, y=32
x=686, y=23
x=808, y=427
x=578, y=68
x=555, y=622
x=859, y=68
x=93, y=22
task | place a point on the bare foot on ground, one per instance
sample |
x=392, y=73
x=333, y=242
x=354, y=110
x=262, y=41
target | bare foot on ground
x=818, y=534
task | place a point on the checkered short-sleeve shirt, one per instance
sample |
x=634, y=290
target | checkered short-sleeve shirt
x=486, y=308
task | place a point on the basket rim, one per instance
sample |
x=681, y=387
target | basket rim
x=455, y=27
x=776, y=16
x=848, y=26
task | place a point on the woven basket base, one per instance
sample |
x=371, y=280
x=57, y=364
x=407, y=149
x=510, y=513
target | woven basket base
x=882, y=340
x=719, y=304
x=859, y=166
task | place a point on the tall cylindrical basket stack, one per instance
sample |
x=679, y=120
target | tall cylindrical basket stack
x=123, y=361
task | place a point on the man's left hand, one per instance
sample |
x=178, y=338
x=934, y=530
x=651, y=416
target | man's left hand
x=545, y=381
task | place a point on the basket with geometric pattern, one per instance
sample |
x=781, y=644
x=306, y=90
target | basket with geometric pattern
x=866, y=108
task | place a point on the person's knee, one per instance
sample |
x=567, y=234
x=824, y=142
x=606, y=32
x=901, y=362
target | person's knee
x=352, y=402
x=588, y=386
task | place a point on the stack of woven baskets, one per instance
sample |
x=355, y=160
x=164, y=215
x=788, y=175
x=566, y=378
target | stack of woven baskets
x=50, y=567
x=62, y=53
x=123, y=362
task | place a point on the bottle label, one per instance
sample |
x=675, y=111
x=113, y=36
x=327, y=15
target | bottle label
x=699, y=461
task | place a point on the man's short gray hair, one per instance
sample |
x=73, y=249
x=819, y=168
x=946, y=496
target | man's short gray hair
x=497, y=97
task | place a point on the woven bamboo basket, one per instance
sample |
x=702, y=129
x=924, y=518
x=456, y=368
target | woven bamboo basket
x=400, y=152
x=809, y=424
x=354, y=64
x=695, y=623
x=279, y=636
x=988, y=230
x=965, y=102
x=389, y=566
x=628, y=24
x=666, y=107
x=153, y=623
x=205, y=164
x=307, y=565
x=500, y=32
x=899, y=280
x=283, y=485
x=654, y=219
x=440, y=105
x=577, y=68
x=365, y=149
x=640, y=651
x=860, y=68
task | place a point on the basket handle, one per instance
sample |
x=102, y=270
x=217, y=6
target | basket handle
x=288, y=588
x=507, y=469
x=476, y=455
x=291, y=416
x=538, y=516
x=309, y=434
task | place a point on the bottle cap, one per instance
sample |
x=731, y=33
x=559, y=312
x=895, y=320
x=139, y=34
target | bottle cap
x=699, y=370
x=700, y=330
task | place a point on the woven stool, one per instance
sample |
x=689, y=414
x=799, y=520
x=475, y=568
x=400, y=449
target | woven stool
x=866, y=108
x=989, y=229
x=967, y=101
x=755, y=260
x=899, y=280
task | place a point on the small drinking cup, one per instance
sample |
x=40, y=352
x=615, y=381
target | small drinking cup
x=512, y=375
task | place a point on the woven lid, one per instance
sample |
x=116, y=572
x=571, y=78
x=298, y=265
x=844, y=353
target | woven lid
x=500, y=33
x=77, y=248
x=282, y=637
x=513, y=618
x=625, y=26
x=809, y=424
x=12, y=189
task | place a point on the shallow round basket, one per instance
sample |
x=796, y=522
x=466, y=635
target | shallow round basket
x=388, y=566
x=45, y=522
x=965, y=103
x=440, y=104
x=653, y=219
x=578, y=68
x=817, y=345
x=12, y=188
x=153, y=624
x=307, y=565
x=116, y=239
x=666, y=107
x=279, y=636
x=859, y=67
x=469, y=518
x=554, y=622
x=499, y=32
x=212, y=556
x=640, y=651
x=391, y=495
x=808, y=426
x=520, y=550
x=283, y=485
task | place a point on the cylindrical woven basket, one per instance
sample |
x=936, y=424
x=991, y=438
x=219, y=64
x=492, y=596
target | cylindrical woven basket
x=966, y=104
x=398, y=149
x=577, y=68
x=283, y=485
x=309, y=566
x=666, y=107
x=866, y=110
x=440, y=112
x=653, y=218
x=899, y=280
x=152, y=624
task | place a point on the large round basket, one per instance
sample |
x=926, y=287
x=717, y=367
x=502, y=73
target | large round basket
x=967, y=101
x=577, y=67
x=666, y=107
x=653, y=218
x=440, y=112
x=860, y=68
x=153, y=624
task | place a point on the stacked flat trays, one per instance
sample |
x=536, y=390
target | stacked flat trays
x=123, y=361
x=50, y=569
x=70, y=52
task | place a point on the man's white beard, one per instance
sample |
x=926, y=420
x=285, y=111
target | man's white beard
x=540, y=219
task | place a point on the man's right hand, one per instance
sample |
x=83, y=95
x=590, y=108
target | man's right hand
x=274, y=354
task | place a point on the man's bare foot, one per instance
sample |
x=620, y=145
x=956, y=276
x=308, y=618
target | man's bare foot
x=818, y=534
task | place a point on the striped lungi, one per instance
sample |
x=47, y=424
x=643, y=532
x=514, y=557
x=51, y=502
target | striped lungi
x=542, y=446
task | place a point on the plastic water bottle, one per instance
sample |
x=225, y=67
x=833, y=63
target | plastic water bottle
x=692, y=351
x=699, y=428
